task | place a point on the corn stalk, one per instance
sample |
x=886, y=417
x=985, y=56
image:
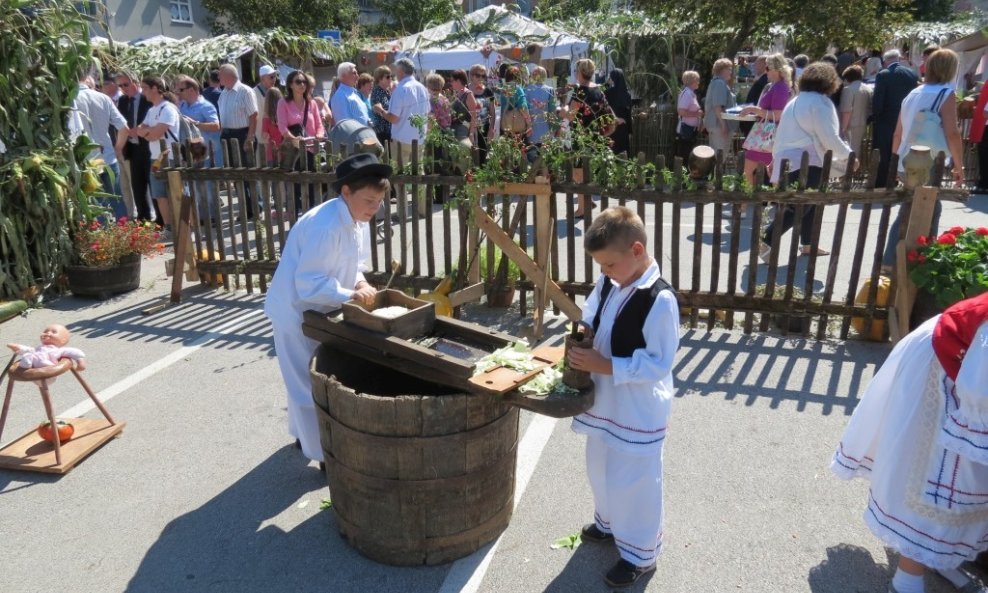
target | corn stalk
x=197, y=58
x=43, y=45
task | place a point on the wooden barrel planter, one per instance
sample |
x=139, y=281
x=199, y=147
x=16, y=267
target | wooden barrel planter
x=105, y=281
x=418, y=473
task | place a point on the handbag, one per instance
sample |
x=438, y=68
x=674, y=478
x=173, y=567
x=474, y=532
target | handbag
x=927, y=128
x=761, y=138
x=513, y=121
x=687, y=132
x=290, y=151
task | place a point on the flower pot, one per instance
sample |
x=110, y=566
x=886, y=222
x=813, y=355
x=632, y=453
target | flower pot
x=103, y=281
x=500, y=296
x=925, y=307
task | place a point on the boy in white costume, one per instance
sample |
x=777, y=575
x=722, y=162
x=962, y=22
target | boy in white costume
x=634, y=319
x=322, y=267
x=920, y=436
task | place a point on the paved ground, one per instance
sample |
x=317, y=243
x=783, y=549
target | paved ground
x=203, y=491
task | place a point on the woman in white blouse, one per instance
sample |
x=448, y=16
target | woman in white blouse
x=808, y=124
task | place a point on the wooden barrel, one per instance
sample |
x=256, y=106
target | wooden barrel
x=418, y=473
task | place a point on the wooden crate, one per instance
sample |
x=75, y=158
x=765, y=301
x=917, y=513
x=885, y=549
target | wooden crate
x=418, y=321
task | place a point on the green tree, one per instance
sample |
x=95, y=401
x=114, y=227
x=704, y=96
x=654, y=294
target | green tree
x=304, y=16
x=812, y=26
x=411, y=16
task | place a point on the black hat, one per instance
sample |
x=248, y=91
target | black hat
x=357, y=167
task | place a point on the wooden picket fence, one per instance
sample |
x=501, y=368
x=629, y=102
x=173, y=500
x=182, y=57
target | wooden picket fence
x=715, y=269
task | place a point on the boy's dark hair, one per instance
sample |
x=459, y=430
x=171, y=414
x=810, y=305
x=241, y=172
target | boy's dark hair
x=616, y=228
x=371, y=181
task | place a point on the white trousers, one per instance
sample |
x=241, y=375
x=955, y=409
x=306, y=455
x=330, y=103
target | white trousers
x=627, y=493
x=294, y=352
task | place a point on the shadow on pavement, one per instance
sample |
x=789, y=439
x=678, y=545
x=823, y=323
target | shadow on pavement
x=849, y=569
x=756, y=367
x=185, y=322
x=586, y=568
x=234, y=543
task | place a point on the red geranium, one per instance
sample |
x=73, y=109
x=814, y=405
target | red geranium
x=922, y=240
x=953, y=267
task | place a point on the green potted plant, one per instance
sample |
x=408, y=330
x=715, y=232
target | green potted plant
x=501, y=277
x=109, y=255
x=948, y=268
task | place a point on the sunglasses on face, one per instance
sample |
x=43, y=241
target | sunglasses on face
x=300, y=81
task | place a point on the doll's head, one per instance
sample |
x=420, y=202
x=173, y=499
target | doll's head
x=55, y=335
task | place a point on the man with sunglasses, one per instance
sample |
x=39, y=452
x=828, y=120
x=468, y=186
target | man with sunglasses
x=200, y=113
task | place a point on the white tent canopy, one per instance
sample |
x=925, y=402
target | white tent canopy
x=972, y=51
x=489, y=36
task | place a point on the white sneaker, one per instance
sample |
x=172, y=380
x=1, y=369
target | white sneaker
x=764, y=252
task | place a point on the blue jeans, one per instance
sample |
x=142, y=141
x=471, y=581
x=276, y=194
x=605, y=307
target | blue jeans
x=893, y=237
x=115, y=204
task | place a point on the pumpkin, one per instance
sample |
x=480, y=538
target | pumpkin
x=65, y=431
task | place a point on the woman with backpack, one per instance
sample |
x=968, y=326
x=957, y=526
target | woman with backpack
x=931, y=101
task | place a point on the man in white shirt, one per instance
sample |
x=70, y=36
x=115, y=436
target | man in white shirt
x=98, y=113
x=410, y=98
x=238, y=116
x=268, y=77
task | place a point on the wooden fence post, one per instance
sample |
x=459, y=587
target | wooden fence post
x=920, y=219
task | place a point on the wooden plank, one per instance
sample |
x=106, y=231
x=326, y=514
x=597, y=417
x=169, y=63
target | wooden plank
x=32, y=453
x=919, y=222
x=522, y=189
x=471, y=293
x=512, y=250
x=543, y=247
x=501, y=380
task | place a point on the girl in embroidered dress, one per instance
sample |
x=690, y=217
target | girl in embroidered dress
x=920, y=436
x=633, y=316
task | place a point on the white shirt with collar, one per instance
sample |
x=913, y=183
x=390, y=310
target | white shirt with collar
x=322, y=261
x=408, y=99
x=98, y=113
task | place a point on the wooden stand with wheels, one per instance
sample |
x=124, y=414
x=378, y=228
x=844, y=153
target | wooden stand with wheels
x=31, y=452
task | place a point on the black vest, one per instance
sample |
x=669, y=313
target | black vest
x=627, y=336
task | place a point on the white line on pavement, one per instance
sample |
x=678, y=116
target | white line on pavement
x=161, y=364
x=466, y=574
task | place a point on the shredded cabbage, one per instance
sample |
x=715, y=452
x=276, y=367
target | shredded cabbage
x=517, y=356
x=549, y=381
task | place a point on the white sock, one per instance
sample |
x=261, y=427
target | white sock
x=955, y=576
x=903, y=582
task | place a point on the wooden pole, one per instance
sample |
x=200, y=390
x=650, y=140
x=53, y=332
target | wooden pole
x=920, y=220
x=511, y=249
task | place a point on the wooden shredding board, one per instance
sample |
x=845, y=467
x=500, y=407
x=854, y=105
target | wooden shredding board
x=32, y=453
x=501, y=380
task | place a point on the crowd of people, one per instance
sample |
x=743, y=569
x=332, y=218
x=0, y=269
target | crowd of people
x=798, y=107
x=277, y=125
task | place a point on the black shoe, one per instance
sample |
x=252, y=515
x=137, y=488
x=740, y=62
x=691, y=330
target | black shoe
x=592, y=533
x=625, y=574
x=298, y=444
x=322, y=468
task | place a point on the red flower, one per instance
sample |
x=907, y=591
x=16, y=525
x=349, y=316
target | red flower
x=981, y=231
x=122, y=220
x=922, y=259
x=947, y=239
x=922, y=240
x=913, y=256
x=956, y=230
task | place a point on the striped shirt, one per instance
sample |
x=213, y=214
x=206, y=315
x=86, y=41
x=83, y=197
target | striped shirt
x=237, y=104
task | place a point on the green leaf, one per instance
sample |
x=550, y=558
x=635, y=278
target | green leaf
x=325, y=504
x=570, y=542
